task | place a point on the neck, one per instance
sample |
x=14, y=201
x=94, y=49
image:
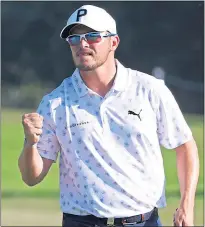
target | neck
x=101, y=79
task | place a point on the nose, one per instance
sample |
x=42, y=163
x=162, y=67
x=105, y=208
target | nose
x=83, y=43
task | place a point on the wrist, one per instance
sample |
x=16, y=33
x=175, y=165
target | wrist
x=187, y=202
x=27, y=143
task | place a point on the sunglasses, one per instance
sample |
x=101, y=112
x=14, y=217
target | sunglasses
x=90, y=38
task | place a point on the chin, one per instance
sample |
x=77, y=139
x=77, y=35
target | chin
x=86, y=66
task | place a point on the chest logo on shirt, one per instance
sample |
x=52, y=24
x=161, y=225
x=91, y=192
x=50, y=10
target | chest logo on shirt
x=137, y=114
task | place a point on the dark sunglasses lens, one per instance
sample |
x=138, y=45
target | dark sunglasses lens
x=93, y=37
x=74, y=40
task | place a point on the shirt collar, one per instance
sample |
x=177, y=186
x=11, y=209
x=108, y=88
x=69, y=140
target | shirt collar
x=79, y=84
x=120, y=82
x=121, y=78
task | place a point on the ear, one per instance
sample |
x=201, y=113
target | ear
x=115, y=40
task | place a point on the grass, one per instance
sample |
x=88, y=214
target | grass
x=12, y=142
x=46, y=212
x=47, y=192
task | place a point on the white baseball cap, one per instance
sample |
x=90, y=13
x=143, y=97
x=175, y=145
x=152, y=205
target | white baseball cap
x=91, y=16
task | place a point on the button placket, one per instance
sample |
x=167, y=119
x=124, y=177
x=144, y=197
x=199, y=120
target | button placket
x=105, y=123
x=97, y=101
x=101, y=111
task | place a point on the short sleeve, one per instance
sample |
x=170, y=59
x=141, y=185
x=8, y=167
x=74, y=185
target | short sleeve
x=172, y=127
x=48, y=145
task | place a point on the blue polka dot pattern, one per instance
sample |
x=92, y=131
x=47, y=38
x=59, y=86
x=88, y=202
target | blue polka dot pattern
x=110, y=159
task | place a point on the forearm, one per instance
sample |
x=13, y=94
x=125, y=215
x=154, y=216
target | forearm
x=30, y=164
x=188, y=172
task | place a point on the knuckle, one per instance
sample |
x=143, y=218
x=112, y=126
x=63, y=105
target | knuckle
x=24, y=116
x=25, y=121
x=36, y=114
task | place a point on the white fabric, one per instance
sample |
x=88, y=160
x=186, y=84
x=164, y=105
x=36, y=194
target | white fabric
x=110, y=161
x=96, y=18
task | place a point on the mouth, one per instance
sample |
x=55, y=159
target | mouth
x=84, y=54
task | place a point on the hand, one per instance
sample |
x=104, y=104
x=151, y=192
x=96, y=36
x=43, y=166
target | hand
x=32, y=124
x=183, y=217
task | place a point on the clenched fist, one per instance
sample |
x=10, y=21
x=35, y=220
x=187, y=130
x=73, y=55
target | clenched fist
x=32, y=124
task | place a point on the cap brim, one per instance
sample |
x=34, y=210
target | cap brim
x=65, y=31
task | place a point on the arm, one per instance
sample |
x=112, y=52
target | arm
x=188, y=172
x=32, y=166
x=174, y=133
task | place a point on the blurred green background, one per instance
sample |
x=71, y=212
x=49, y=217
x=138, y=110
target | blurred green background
x=39, y=205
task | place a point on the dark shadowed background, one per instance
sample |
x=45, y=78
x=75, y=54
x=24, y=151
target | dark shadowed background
x=168, y=35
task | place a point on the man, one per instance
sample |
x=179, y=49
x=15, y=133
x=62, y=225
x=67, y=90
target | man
x=107, y=123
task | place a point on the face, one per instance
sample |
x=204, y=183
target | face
x=88, y=57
